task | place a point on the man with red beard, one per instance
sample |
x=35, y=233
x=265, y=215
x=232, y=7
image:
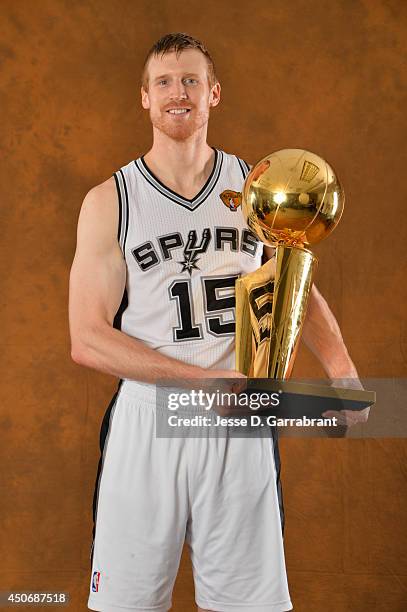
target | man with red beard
x=152, y=298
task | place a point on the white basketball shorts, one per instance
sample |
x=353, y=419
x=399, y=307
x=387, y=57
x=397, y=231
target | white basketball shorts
x=219, y=494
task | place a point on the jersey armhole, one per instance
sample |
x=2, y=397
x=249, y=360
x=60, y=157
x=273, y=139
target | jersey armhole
x=122, y=228
x=123, y=198
x=244, y=167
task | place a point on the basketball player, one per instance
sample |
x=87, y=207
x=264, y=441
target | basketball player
x=151, y=297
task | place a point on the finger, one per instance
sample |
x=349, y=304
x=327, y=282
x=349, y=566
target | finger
x=239, y=385
x=355, y=417
x=341, y=419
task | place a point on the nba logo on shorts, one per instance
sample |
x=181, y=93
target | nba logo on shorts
x=95, y=581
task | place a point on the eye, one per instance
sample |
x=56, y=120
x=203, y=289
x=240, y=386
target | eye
x=190, y=81
x=162, y=82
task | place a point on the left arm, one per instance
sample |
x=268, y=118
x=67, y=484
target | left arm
x=323, y=337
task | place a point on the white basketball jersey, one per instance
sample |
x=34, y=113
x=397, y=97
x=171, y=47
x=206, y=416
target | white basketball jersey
x=183, y=258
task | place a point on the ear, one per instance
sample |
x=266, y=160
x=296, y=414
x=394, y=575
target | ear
x=214, y=96
x=145, y=100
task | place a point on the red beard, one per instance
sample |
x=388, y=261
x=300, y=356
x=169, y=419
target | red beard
x=179, y=128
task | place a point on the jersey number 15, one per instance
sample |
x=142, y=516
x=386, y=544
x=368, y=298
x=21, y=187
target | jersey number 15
x=219, y=300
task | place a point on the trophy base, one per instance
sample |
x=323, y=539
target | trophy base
x=297, y=399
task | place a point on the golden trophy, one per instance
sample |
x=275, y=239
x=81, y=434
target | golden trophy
x=291, y=200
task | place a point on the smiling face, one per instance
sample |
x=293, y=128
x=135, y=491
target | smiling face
x=178, y=94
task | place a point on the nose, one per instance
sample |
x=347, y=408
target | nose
x=178, y=90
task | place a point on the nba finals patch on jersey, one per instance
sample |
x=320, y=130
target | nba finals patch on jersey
x=231, y=199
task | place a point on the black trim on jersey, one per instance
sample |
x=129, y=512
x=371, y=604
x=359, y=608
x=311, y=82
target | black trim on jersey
x=189, y=204
x=117, y=321
x=104, y=433
x=277, y=462
x=165, y=188
x=243, y=166
x=106, y=422
x=127, y=211
x=123, y=224
x=119, y=227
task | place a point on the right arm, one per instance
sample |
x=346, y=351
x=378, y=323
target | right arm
x=96, y=286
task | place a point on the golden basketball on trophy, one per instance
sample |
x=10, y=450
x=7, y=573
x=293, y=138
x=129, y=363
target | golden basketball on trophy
x=291, y=199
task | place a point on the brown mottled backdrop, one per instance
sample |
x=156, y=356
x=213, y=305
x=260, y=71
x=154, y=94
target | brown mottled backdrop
x=328, y=76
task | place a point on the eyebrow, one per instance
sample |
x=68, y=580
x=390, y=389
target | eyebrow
x=187, y=74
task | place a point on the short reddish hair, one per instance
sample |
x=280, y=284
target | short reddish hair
x=178, y=42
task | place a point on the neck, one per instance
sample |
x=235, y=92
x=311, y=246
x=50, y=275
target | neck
x=181, y=164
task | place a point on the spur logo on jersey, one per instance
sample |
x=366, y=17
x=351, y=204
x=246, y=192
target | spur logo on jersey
x=197, y=243
x=95, y=581
x=231, y=199
x=193, y=249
